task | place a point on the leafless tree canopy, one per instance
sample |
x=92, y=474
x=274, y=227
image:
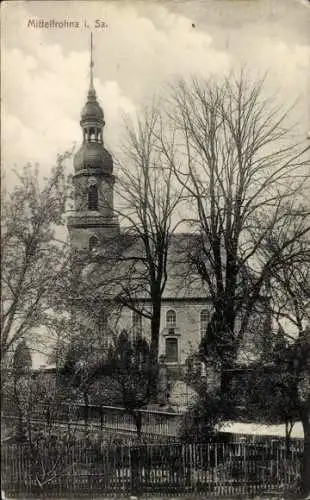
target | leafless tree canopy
x=33, y=259
x=246, y=181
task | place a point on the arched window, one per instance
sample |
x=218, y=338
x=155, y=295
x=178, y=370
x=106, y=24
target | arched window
x=171, y=319
x=171, y=350
x=93, y=242
x=93, y=198
x=136, y=326
x=204, y=321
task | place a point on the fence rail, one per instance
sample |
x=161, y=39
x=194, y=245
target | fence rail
x=115, y=419
x=216, y=469
x=104, y=417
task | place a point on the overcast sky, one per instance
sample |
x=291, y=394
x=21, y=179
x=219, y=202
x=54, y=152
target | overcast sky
x=45, y=71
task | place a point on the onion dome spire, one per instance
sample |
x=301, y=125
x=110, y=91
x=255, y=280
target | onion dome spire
x=92, y=153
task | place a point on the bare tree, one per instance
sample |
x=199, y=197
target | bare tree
x=33, y=259
x=22, y=364
x=246, y=177
x=128, y=366
x=290, y=291
x=246, y=182
x=83, y=349
x=148, y=200
x=290, y=294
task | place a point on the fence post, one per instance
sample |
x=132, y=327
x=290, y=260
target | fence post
x=245, y=467
x=135, y=466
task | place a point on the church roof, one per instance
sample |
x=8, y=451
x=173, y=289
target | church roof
x=120, y=263
x=93, y=155
x=92, y=111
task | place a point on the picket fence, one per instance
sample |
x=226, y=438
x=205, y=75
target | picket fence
x=75, y=470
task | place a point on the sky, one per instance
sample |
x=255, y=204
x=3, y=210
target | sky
x=138, y=48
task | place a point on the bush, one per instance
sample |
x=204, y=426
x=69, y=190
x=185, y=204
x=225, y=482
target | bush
x=202, y=420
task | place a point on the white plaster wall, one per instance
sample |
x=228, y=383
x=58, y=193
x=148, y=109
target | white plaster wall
x=187, y=326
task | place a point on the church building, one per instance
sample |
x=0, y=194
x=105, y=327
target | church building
x=186, y=308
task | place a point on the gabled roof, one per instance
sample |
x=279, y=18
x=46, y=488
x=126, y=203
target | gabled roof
x=121, y=262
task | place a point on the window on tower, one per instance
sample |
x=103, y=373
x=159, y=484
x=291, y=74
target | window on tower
x=93, y=242
x=92, y=135
x=92, y=198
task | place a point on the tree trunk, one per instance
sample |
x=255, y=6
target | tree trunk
x=288, y=431
x=306, y=457
x=138, y=421
x=86, y=407
x=155, y=330
x=227, y=375
x=21, y=432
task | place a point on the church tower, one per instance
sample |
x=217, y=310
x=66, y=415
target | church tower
x=93, y=219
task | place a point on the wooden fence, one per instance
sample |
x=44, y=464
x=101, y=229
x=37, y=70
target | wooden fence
x=93, y=469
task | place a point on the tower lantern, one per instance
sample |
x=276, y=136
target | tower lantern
x=92, y=118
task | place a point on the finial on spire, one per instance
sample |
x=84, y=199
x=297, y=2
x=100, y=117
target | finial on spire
x=92, y=111
x=91, y=65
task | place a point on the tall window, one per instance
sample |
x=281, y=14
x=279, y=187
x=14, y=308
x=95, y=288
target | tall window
x=204, y=321
x=92, y=198
x=136, y=326
x=171, y=318
x=171, y=350
x=93, y=242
